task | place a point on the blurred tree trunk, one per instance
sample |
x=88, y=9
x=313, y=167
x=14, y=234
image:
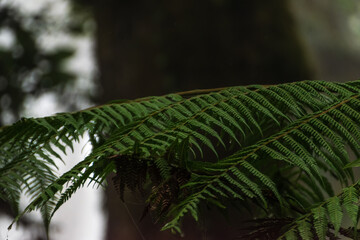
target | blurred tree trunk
x=150, y=48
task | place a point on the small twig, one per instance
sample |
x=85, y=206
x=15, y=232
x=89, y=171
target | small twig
x=133, y=221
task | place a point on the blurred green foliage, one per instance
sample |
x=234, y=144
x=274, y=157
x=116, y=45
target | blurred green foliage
x=25, y=67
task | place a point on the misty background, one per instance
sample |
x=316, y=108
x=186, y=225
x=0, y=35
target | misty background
x=66, y=55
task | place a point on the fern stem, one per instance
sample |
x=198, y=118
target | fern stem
x=183, y=123
x=200, y=91
x=196, y=92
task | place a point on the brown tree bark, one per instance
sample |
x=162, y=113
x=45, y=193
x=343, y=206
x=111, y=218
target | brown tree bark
x=153, y=47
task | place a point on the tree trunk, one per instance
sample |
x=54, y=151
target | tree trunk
x=150, y=48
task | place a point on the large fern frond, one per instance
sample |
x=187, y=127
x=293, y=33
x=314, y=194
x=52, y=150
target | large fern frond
x=296, y=145
x=198, y=147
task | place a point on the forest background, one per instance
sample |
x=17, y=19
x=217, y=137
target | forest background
x=67, y=55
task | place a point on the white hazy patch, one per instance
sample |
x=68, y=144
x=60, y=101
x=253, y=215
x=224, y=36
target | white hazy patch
x=80, y=218
x=19, y=233
x=34, y=6
x=7, y=38
x=42, y=106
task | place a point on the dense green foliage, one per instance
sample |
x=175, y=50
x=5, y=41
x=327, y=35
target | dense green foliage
x=275, y=148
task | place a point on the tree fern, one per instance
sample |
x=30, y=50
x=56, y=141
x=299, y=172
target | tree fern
x=274, y=146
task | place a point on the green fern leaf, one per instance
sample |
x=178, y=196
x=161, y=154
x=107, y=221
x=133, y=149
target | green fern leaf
x=350, y=203
x=320, y=222
x=291, y=235
x=335, y=213
x=304, y=229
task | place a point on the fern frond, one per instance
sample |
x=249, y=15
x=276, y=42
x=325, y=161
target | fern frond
x=329, y=211
x=298, y=155
x=304, y=229
x=335, y=213
x=350, y=203
x=303, y=127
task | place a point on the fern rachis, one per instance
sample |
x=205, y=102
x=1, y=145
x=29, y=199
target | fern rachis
x=273, y=145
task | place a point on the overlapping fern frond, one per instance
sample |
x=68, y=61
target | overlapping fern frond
x=275, y=146
x=316, y=221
